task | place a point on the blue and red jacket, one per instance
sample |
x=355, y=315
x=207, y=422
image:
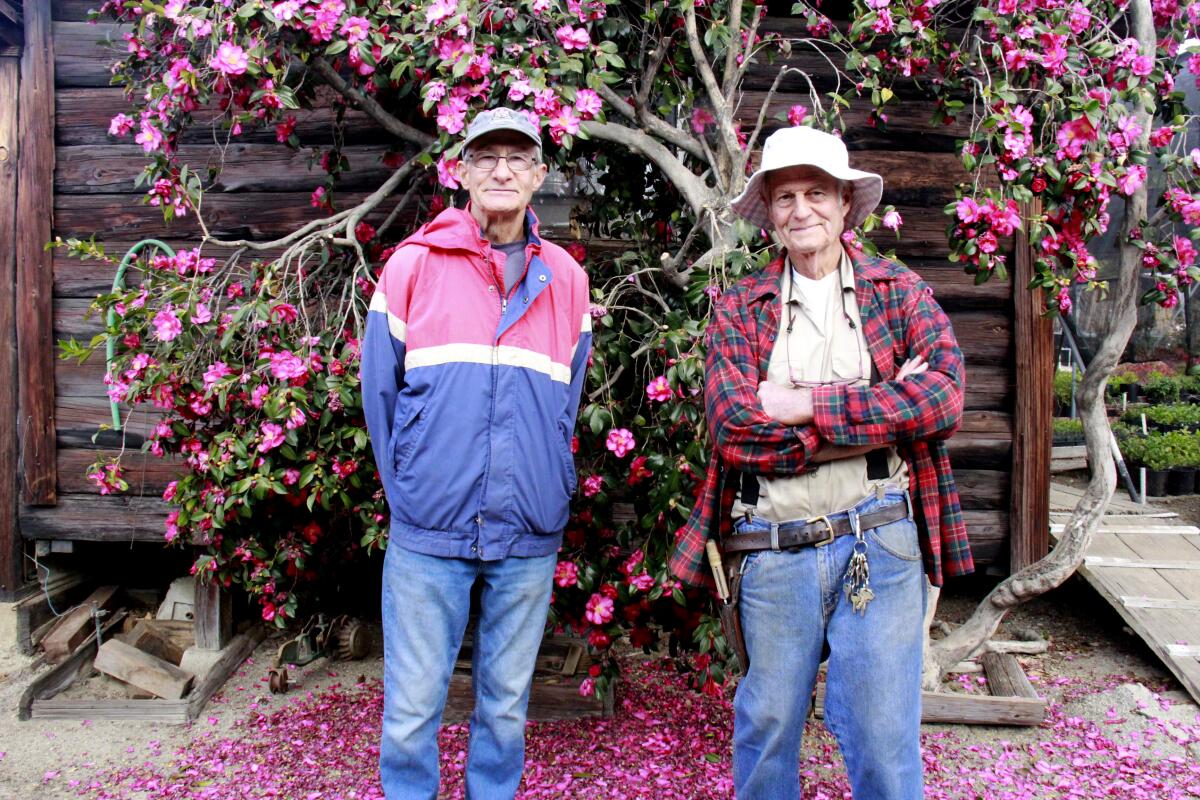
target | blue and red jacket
x=471, y=396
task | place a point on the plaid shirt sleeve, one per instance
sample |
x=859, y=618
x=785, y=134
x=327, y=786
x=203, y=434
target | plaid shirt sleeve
x=922, y=407
x=744, y=436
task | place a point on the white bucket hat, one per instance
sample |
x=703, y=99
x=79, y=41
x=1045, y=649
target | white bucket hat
x=808, y=147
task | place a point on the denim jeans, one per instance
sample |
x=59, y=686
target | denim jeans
x=792, y=605
x=426, y=603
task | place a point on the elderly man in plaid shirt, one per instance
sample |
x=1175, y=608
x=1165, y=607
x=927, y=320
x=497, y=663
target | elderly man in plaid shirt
x=833, y=380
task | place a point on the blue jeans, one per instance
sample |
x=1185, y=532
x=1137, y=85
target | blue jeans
x=426, y=603
x=791, y=606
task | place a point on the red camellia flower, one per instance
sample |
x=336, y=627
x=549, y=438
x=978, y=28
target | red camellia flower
x=577, y=251
x=1038, y=185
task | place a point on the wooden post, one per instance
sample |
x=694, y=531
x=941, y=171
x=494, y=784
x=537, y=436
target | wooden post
x=35, y=280
x=213, y=616
x=1029, y=510
x=10, y=539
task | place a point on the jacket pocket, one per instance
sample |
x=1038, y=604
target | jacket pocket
x=406, y=431
x=568, y=459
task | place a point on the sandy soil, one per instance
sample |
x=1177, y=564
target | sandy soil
x=1125, y=688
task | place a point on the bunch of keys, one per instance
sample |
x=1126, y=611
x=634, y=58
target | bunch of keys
x=857, y=583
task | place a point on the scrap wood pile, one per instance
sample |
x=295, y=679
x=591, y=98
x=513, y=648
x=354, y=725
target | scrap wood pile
x=142, y=652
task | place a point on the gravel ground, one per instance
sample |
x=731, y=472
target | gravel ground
x=1110, y=698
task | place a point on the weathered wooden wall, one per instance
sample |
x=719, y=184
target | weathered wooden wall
x=265, y=192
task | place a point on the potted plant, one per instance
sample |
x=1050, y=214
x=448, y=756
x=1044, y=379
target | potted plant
x=1159, y=388
x=1062, y=391
x=1184, y=449
x=1173, y=416
x=1122, y=383
x=1148, y=452
x=1067, y=432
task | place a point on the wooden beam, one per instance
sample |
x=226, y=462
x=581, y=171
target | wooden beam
x=213, y=612
x=969, y=709
x=1160, y=602
x=1005, y=676
x=1033, y=339
x=128, y=664
x=11, y=36
x=1133, y=563
x=10, y=539
x=74, y=627
x=8, y=12
x=35, y=278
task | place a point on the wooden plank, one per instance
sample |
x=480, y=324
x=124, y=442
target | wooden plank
x=966, y=709
x=173, y=712
x=51, y=683
x=84, y=53
x=1134, y=563
x=1108, y=526
x=91, y=518
x=76, y=625
x=35, y=219
x=11, y=566
x=213, y=616
x=235, y=653
x=1005, y=676
x=1183, y=650
x=130, y=665
x=146, y=474
x=1159, y=602
x=1033, y=334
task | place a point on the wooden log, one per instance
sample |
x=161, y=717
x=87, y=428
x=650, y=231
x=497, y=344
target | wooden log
x=130, y=665
x=10, y=543
x=149, y=637
x=76, y=625
x=35, y=220
x=244, y=168
x=1005, y=676
x=92, y=518
x=1034, y=405
x=966, y=709
x=85, y=113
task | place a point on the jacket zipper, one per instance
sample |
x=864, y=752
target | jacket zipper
x=491, y=413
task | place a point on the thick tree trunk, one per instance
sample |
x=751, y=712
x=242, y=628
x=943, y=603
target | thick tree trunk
x=1067, y=555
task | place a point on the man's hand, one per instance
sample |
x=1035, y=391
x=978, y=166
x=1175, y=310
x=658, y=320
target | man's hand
x=914, y=366
x=786, y=405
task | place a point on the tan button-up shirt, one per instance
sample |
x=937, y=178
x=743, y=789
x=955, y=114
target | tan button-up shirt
x=820, y=341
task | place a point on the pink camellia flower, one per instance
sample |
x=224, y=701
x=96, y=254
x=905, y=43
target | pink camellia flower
x=620, y=441
x=892, y=220
x=967, y=209
x=439, y=10
x=987, y=242
x=701, y=119
x=796, y=114
x=445, y=172
x=452, y=115
x=120, y=125
x=564, y=122
x=1185, y=251
x=659, y=389
x=592, y=485
x=587, y=103
x=286, y=365
x=434, y=91
x=272, y=437
x=286, y=10
x=355, y=29
x=1134, y=177
x=599, y=609
x=169, y=492
x=215, y=372
x=166, y=324
x=572, y=38
x=566, y=574
x=149, y=137
x=1074, y=135
x=296, y=419
x=643, y=583
x=201, y=314
x=230, y=59
x=291, y=476
x=172, y=530
x=1142, y=66
x=519, y=89
x=587, y=687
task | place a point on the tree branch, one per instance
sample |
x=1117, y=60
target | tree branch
x=693, y=189
x=369, y=105
x=711, y=87
x=651, y=124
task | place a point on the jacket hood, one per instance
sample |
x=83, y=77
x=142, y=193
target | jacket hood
x=456, y=229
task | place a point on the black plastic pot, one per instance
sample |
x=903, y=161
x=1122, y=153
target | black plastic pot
x=1181, y=480
x=1067, y=439
x=1133, y=392
x=1156, y=482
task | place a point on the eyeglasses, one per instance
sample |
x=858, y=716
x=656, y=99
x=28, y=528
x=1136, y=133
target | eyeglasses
x=517, y=162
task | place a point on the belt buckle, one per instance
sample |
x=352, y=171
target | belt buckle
x=829, y=525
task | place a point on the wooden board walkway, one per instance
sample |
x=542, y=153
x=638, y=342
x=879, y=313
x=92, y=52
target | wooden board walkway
x=1146, y=563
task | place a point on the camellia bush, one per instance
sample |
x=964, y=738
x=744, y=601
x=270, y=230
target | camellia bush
x=249, y=349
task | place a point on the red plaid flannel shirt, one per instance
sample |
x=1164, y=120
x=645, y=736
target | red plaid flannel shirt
x=899, y=319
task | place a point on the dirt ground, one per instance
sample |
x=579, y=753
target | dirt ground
x=1096, y=672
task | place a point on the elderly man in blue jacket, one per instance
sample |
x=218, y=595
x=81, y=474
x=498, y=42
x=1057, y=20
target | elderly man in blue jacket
x=473, y=363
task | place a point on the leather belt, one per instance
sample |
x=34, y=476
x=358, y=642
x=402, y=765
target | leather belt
x=818, y=531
